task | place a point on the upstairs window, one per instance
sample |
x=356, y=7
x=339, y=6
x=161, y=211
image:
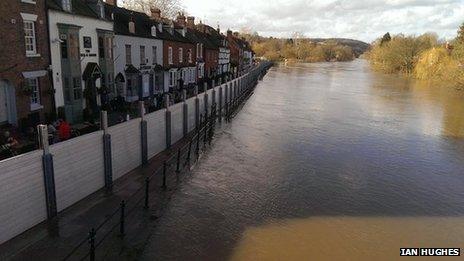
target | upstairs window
x=190, y=55
x=128, y=54
x=170, y=55
x=154, y=50
x=181, y=55
x=131, y=27
x=142, y=55
x=101, y=47
x=153, y=31
x=66, y=4
x=198, y=50
x=29, y=36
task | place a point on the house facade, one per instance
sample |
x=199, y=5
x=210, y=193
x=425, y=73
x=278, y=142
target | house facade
x=139, y=52
x=81, y=42
x=26, y=94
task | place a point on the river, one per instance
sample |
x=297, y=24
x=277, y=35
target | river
x=326, y=161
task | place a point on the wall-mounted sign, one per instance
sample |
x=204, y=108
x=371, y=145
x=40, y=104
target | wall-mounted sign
x=87, y=42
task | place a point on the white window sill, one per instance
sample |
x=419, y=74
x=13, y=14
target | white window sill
x=33, y=55
x=28, y=2
x=36, y=107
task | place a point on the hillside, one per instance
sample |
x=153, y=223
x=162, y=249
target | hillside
x=358, y=47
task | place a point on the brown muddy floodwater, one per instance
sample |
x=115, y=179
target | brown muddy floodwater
x=326, y=161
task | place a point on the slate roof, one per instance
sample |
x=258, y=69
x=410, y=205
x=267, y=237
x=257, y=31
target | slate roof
x=143, y=24
x=78, y=7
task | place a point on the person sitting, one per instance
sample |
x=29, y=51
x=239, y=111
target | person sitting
x=10, y=143
x=64, y=130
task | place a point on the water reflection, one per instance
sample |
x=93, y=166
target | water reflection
x=330, y=142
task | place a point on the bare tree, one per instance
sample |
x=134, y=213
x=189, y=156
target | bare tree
x=169, y=8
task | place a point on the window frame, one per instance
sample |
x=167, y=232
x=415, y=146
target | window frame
x=181, y=55
x=32, y=37
x=128, y=50
x=170, y=55
x=143, y=59
x=35, y=99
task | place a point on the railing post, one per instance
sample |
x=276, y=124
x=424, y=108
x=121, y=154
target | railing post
x=143, y=133
x=122, y=218
x=107, y=158
x=178, y=161
x=164, y=186
x=189, y=153
x=48, y=172
x=226, y=100
x=147, y=191
x=92, y=235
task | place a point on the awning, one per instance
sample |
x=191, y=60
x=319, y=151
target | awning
x=92, y=71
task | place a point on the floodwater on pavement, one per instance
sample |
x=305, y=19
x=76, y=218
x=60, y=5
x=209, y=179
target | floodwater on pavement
x=326, y=161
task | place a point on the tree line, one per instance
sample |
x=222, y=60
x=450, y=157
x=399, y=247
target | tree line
x=424, y=57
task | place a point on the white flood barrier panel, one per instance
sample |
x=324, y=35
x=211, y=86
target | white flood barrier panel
x=191, y=114
x=201, y=97
x=126, y=148
x=79, y=168
x=177, y=130
x=156, y=132
x=22, y=194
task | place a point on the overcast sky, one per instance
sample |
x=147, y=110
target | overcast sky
x=358, y=19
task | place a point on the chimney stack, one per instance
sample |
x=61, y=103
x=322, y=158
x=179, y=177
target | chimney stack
x=155, y=13
x=112, y=2
x=181, y=19
x=191, y=22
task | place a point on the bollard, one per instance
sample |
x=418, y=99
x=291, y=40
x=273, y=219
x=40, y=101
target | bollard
x=164, y=186
x=122, y=218
x=147, y=187
x=178, y=161
x=92, y=235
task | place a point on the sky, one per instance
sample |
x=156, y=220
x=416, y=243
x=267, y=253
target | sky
x=363, y=20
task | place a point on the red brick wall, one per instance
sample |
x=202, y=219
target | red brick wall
x=13, y=60
x=211, y=60
x=175, y=54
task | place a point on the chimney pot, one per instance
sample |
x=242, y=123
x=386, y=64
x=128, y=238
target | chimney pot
x=155, y=13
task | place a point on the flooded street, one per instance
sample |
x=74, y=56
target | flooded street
x=326, y=161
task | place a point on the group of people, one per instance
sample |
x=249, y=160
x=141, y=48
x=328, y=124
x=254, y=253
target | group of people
x=59, y=130
x=9, y=145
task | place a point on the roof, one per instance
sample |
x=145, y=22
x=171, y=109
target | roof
x=199, y=37
x=143, y=24
x=78, y=7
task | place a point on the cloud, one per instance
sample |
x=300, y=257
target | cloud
x=359, y=19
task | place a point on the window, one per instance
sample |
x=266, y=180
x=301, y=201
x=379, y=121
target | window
x=131, y=27
x=201, y=50
x=109, y=48
x=170, y=55
x=181, y=55
x=77, y=90
x=33, y=84
x=142, y=55
x=190, y=55
x=101, y=47
x=102, y=10
x=128, y=54
x=198, y=50
x=29, y=35
x=172, y=78
x=153, y=31
x=66, y=5
x=154, y=49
